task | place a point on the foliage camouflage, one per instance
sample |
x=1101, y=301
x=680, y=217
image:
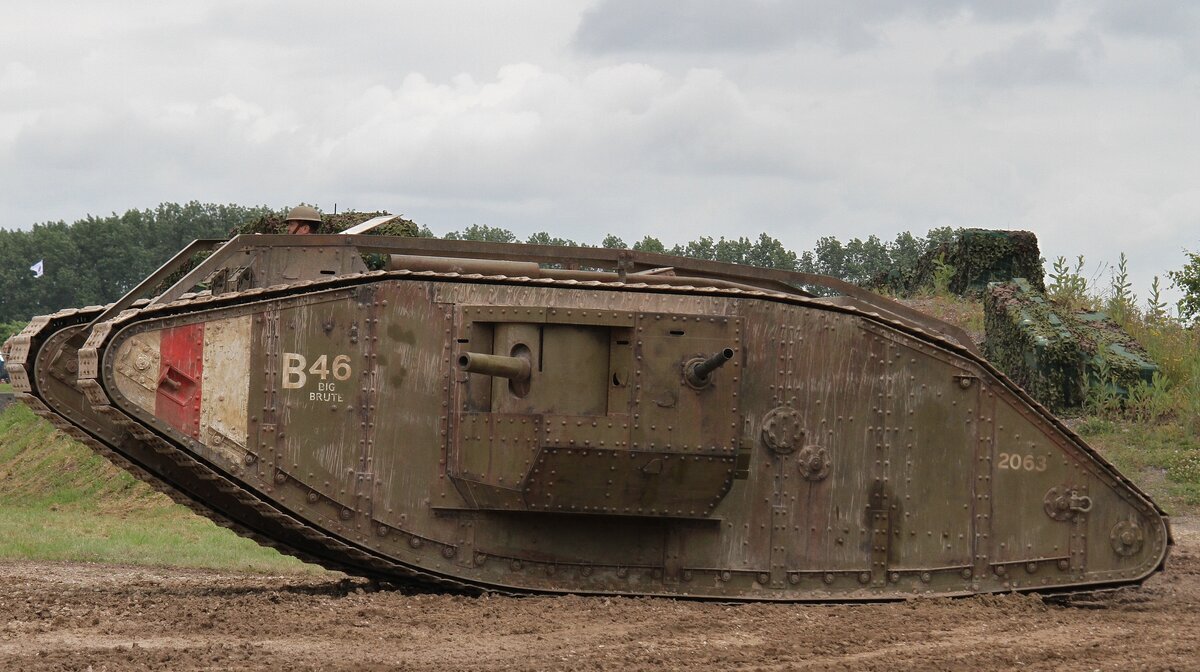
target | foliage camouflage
x=275, y=222
x=977, y=257
x=1057, y=354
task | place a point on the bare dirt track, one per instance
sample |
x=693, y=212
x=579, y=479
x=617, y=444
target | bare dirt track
x=80, y=617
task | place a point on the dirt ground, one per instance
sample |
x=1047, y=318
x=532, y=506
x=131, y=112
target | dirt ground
x=104, y=617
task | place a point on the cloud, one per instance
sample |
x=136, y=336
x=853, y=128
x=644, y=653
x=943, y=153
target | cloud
x=676, y=120
x=16, y=76
x=756, y=26
x=530, y=133
x=1149, y=18
x=1028, y=60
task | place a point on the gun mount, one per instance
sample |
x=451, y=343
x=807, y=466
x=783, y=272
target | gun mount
x=697, y=370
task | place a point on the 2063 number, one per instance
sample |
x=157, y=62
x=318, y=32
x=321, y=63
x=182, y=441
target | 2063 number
x=1022, y=462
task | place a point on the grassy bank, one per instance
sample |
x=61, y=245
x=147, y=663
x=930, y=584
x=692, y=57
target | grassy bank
x=61, y=501
x=1163, y=459
x=164, y=536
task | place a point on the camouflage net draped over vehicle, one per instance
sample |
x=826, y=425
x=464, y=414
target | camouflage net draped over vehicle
x=1055, y=354
x=276, y=223
x=972, y=259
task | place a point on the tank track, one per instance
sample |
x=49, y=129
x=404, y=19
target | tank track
x=240, y=509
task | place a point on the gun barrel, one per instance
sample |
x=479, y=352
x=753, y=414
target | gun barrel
x=698, y=374
x=513, y=368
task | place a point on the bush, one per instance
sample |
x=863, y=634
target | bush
x=1188, y=280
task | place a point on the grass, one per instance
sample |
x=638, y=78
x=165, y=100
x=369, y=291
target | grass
x=61, y=501
x=5, y=388
x=168, y=535
x=1163, y=459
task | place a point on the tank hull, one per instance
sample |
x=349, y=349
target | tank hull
x=837, y=456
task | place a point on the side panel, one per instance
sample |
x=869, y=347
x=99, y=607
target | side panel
x=321, y=428
x=181, y=368
x=224, y=411
x=137, y=369
x=413, y=370
x=932, y=420
x=1025, y=466
x=829, y=371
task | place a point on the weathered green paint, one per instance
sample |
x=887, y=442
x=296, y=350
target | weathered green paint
x=837, y=455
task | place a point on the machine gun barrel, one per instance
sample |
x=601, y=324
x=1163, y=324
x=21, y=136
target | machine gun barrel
x=698, y=370
x=513, y=368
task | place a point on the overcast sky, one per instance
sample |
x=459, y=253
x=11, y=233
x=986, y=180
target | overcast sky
x=1078, y=121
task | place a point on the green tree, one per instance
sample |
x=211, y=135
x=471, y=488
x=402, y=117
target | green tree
x=96, y=260
x=807, y=262
x=612, y=242
x=732, y=251
x=865, y=259
x=906, y=251
x=830, y=257
x=1187, y=280
x=10, y=329
x=650, y=244
x=704, y=248
x=543, y=238
x=483, y=233
x=770, y=253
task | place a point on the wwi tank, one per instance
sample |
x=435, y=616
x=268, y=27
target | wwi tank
x=494, y=417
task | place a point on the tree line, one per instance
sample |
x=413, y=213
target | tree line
x=96, y=260
x=862, y=262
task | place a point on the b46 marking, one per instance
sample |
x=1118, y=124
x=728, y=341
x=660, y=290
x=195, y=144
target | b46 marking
x=296, y=373
x=1019, y=462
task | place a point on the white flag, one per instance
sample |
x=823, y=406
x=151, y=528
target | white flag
x=38, y=269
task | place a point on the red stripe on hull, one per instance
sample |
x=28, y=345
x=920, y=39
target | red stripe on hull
x=180, y=377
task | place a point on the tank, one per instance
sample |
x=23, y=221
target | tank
x=538, y=419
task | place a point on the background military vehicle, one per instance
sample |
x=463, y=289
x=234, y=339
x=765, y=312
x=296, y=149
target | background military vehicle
x=487, y=416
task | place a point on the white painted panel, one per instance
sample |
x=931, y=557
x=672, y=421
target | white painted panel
x=224, y=409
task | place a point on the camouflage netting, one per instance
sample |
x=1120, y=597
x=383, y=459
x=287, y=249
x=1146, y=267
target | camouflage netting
x=978, y=257
x=274, y=223
x=1056, y=355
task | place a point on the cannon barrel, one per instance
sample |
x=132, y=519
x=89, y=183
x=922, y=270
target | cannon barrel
x=698, y=370
x=513, y=368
